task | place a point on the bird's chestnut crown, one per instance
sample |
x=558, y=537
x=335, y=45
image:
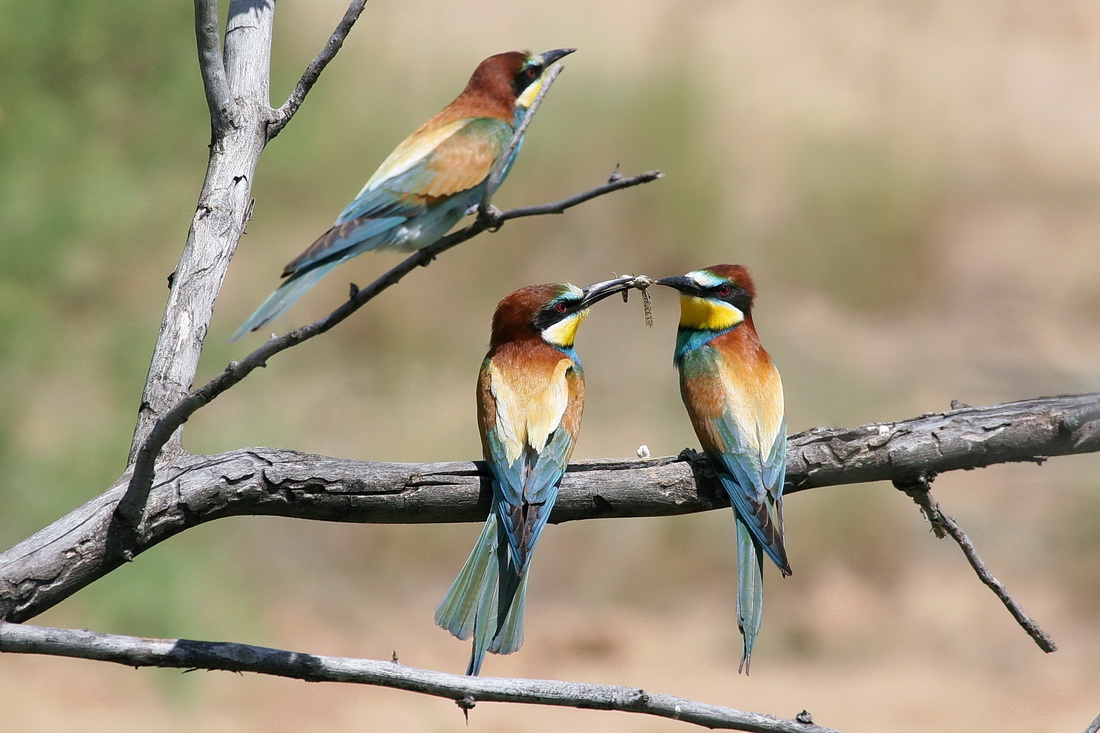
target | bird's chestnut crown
x=715, y=298
x=552, y=311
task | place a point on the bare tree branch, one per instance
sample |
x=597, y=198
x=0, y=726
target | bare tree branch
x=1094, y=726
x=920, y=491
x=212, y=67
x=313, y=72
x=961, y=438
x=79, y=548
x=467, y=691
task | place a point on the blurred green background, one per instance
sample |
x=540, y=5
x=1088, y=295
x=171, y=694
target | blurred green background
x=915, y=186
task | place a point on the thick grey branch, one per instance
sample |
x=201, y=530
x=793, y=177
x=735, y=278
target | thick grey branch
x=187, y=654
x=962, y=438
x=189, y=490
x=313, y=71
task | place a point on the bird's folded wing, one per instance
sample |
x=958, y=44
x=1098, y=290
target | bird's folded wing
x=431, y=165
x=754, y=481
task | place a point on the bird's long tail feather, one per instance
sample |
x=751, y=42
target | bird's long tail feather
x=509, y=636
x=283, y=297
x=483, y=604
x=750, y=595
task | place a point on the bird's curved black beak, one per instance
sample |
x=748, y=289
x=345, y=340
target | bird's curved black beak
x=598, y=291
x=681, y=283
x=551, y=56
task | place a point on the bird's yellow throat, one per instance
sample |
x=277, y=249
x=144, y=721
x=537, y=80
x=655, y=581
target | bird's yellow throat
x=564, y=332
x=705, y=314
x=528, y=97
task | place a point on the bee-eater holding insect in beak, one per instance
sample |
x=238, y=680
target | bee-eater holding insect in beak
x=530, y=394
x=429, y=181
x=734, y=398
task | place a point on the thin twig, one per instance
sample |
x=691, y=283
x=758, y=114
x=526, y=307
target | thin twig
x=497, y=174
x=558, y=207
x=919, y=490
x=212, y=66
x=284, y=114
x=187, y=654
x=1094, y=727
x=145, y=462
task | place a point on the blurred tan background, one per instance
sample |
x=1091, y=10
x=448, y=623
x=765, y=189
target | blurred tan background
x=915, y=186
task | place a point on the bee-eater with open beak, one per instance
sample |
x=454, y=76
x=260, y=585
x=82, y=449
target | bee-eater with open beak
x=429, y=181
x=734, y=398
x=530, y=394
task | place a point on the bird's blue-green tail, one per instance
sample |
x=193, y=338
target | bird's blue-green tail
x=750, y=589
x=284, y=296
x=485, y=603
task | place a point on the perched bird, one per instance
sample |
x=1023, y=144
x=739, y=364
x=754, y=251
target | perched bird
x=428, y=182
x=734, y=398
x=530, y=394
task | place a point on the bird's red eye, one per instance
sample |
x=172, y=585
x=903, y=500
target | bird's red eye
x=722, y=290
x=562, y=308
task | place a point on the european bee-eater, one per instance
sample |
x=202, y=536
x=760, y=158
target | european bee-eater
x=530, y=394
x=429, y=181
x=734, y=398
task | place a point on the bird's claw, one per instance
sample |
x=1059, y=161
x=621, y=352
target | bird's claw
x=491, y=217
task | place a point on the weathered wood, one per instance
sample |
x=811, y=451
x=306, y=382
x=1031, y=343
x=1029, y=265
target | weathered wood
x=77, y=549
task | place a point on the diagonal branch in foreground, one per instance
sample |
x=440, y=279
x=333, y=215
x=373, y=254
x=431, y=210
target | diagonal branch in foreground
x=74, y=551
x=187, y=654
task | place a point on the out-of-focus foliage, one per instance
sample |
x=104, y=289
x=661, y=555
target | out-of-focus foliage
x=914, y=185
